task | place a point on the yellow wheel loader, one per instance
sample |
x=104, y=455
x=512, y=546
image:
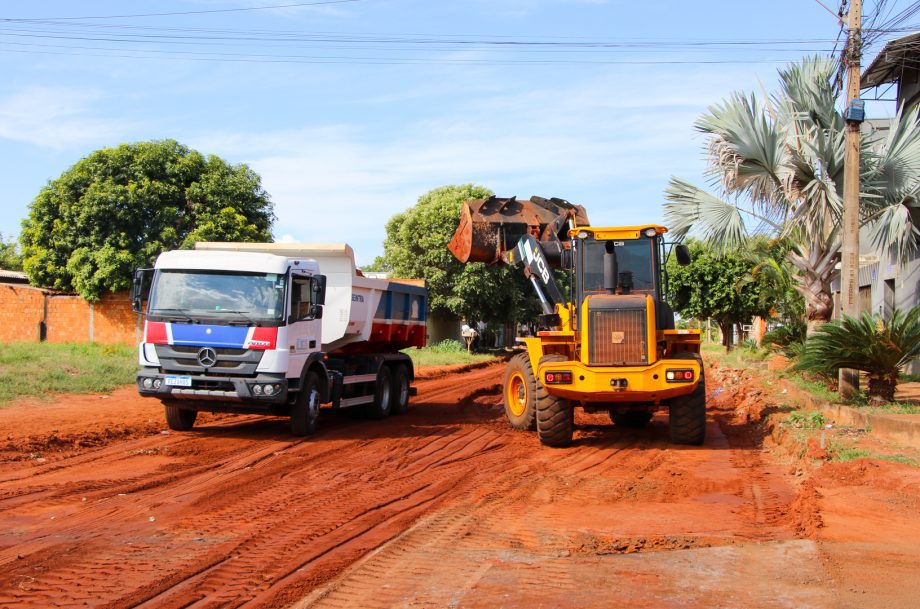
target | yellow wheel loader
x=609, y=344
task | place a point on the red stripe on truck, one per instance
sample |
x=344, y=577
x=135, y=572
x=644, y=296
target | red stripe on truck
x=263, y=338
x=155, y=332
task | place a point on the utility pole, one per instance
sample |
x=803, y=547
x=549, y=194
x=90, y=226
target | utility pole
x=849, y=271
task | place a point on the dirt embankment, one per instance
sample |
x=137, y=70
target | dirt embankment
x=444, y=506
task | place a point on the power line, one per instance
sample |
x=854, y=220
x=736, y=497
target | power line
x=201, y=12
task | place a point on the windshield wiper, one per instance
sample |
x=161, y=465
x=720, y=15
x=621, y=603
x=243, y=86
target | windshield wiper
x=173, y=314
x=245, y=315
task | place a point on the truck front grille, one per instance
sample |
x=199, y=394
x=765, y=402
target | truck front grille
x=617, y=337
x=230, y=362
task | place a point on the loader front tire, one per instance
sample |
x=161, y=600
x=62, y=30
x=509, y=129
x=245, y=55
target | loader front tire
x=687, y=413
x=555, y=415
x=520, y=392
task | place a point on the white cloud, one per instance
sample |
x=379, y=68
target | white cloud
x=594, y=142
x=55, y=117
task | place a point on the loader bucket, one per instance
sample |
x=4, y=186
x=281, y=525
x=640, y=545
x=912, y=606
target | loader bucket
x=490, y=227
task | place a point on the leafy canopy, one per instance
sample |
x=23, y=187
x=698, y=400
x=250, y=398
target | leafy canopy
x=10, y=259
x=720, y=285
x=118, y=208
x=416, y=246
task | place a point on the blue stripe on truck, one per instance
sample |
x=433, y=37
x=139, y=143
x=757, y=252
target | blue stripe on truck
x=211, y=336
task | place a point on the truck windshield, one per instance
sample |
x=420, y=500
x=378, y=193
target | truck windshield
x=633, y=255
x=214, y=295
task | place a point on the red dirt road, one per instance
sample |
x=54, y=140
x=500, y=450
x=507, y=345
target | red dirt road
x=443, y=507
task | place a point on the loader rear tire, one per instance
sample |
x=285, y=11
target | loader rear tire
x=555, y=415
x=687, y=416
x=520, y=393
x=179, y=419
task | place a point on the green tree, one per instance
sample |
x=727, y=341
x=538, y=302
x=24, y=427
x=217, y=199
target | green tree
x=779, y=166
x=416, y=246
x=118, y=208
x=720, y=286
x=10, y=259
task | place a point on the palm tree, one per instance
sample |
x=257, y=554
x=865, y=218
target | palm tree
x=778, y=169
x=877, y=346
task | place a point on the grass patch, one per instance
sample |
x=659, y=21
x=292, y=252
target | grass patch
x=41, y=369
x=814, y=387
x=445, y=353
x=845, y=452
x=742, y=356
x=848, y=453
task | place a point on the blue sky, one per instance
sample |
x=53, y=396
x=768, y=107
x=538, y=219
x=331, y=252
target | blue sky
x=351, y=109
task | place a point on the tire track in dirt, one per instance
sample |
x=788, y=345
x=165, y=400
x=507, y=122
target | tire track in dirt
x=417, y=510
x=258, y=485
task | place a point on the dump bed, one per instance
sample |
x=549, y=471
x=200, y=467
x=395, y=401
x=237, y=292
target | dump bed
x=361, y=314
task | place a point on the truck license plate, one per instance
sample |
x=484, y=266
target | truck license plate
x=179, y=381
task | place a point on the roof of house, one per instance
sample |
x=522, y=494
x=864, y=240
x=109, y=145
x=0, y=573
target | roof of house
x=13, y=277
x=888, y=64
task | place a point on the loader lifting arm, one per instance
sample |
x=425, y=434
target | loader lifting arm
x=536, y=268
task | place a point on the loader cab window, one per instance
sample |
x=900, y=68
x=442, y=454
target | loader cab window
x=636, y=256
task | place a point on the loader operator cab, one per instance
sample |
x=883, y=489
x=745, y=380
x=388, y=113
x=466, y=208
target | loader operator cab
x=638, y=254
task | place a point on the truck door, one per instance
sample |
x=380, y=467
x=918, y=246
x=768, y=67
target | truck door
x=304, y=329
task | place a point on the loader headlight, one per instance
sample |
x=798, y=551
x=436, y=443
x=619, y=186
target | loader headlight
x=583, y=234
x=650, y=232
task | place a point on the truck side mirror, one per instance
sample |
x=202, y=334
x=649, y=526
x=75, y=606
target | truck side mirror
x=319, y=291
x=316, y=311
x=140, y=288
x=683, y=254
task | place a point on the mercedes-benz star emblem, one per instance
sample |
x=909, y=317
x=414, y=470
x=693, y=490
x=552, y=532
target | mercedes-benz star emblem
x=207, y=357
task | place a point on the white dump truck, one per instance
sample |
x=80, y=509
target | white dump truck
x=275, y=328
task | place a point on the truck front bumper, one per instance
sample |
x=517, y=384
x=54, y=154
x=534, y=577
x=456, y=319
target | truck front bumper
x=251, y=390
x=638, y=384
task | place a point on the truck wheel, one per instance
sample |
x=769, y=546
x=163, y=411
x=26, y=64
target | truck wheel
x=687, y=416
x=630, y=418
x=179, y=419
x=305, y=409
x=520, y=393
x=383, y=390
x=400, y=400
x=555, y=415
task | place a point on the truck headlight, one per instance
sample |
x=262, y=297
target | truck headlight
x=257, y=389
x=147, y=383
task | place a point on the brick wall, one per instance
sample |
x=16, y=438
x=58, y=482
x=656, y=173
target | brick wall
x=21, y=312
x=68, y=318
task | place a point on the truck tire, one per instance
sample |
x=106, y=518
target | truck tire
x=400, y=399
x=305, y=409
x=520, y=392
x=687, y=413
x=179, y=419
x=555, y=415
x=630, y=418
x=383, y=395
